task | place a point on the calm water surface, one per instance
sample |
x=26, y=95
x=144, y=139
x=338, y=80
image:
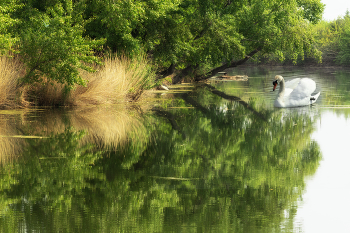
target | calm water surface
x=194, y=160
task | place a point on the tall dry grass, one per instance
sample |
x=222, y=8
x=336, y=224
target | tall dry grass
x=119, y=79
x=11, y=94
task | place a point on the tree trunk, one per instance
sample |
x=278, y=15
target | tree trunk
x=178, y=78
x=227, y=65
x=185, y=72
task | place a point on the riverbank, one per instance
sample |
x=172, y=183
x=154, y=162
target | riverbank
x=118, y=79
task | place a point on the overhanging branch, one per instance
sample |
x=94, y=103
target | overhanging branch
x=228, y=65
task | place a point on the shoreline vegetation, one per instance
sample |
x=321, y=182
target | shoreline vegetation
x=68, y=53
x=116, y=80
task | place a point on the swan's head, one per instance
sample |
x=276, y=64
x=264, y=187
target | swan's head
x=278, y=78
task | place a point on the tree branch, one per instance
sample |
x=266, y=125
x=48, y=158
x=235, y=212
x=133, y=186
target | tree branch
x=228, y=65
x=227, y=3
x=188, y=70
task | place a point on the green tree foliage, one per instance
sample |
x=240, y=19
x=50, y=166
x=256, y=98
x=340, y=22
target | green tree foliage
x=6, y=22
x=333, y=38
x=214, y=32
x=343, y=56
x=311, y=10
x=117, y=22
x=284, y=29
x=327, y=37
x=192, y=32
x=52, y=45
x=55, y=35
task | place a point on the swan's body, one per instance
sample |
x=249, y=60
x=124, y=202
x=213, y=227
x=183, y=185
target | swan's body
x=295, y=93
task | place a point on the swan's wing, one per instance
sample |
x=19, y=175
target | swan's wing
x=292, y=83
x=287, y=91
x=304, y=89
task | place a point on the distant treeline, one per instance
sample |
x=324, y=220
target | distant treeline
x=331, y=38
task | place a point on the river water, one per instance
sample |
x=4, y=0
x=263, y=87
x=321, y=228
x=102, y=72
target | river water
x=213, y=157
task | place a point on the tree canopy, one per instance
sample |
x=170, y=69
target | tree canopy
x=58, y=37
x=206, y=33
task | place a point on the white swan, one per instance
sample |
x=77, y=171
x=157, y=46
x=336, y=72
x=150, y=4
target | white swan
x=295, y=93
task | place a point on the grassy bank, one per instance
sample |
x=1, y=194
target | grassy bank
x=118, y=79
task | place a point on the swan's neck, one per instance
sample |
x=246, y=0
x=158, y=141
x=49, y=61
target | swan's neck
x=282, y=89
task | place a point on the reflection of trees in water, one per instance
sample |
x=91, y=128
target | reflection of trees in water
x=233, y=169
x=55, y=175
x=335, y=91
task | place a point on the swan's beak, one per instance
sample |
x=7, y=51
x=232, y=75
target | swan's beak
x=274, y=85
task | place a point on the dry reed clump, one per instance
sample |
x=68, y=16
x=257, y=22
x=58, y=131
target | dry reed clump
x=117, y=80
x=109, y=84
x=141, y=77
x=11, y=94
x=48, y=93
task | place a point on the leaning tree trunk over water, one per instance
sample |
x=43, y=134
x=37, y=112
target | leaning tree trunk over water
x=226, y=65
x=178, y=78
